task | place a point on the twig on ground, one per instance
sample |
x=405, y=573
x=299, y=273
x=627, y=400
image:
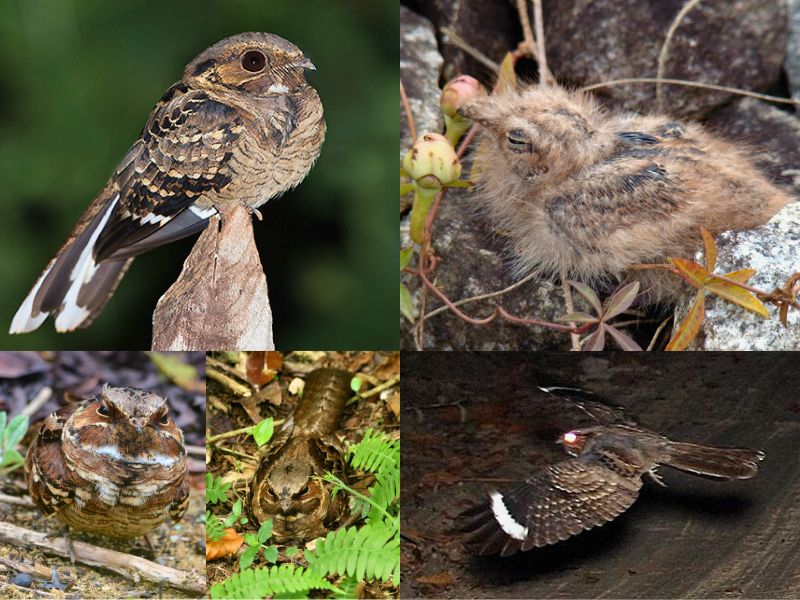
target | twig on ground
x=662, y=56
x=127, y=565
x=39, y=400
x=18, y=500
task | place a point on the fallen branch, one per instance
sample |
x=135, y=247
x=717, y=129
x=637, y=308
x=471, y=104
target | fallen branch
x=127, y=565
x=20, y=501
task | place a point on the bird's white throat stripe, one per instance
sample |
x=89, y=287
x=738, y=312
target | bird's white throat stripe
x=504, y=518
x=72, y=315
x=278, y=88
x=155, y=459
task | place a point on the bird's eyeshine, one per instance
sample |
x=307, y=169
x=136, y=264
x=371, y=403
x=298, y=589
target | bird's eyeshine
x=103, y=411
x=254, y=61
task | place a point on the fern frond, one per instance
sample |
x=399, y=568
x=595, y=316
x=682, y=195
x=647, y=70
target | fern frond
x=266, y=581
x=371, y=551
x=375, y=453
x=383, y=493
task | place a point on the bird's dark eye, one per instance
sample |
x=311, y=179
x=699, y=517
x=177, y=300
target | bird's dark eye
x=103, y=411
x=518, y=141
x=304, y=491
x=164, y=419
x=254, y=61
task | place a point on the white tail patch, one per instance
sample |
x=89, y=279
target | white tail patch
x=504, y=518
x=71, y=315
x=25, y=321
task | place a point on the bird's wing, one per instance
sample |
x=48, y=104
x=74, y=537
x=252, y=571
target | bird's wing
x=558, y=501
x=159, y=193
x=182, y=157
x=51, y=484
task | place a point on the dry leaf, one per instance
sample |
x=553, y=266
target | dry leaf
x=227, y=546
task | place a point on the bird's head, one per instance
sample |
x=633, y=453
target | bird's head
x=261, y=64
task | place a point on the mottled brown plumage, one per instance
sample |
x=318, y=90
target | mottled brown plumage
x=588, y=193
x=599, y=482
x=241, y=126
x=284, y=488
x=114, y=464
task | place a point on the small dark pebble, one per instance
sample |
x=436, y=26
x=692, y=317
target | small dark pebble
x=22, y=580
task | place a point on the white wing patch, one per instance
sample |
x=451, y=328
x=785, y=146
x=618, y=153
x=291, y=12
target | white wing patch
x=504, y=518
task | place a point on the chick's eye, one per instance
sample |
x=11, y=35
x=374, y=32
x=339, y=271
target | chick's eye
x=518, y=141
x=254, y=61
x=304, y=491
x=164, y=419
x=103, y=411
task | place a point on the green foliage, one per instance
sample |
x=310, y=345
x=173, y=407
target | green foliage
x=283, y=579
x=371, y=551
x=355, y=384
x=262, y=433
x=216, y=526
x=216, y=489
x=254, y=541
x=376, y=453
x=10, y=436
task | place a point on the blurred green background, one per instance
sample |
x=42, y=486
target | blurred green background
x=79, y=80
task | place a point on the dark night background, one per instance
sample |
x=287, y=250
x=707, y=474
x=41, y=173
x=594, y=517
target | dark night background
x=473, y=421
x=79, y=80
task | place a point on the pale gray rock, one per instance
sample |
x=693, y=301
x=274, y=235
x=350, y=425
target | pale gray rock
x=420, y=66
x=773, y=250
x=737, y=43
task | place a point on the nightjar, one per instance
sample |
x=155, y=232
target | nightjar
x=586, y=193
x=599, y=482
x=114, y=464
x=243, y=126
x=286, y=487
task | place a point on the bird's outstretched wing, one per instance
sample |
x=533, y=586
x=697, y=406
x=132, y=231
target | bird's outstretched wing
x=160, y=192
x=558, y=501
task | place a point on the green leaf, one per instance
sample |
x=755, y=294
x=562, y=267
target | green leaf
x=355, y=384
x=271, y=554
x=291, y=551
x=251, y=539
x=405, y=256
x=262, y=433
x=16, y=430
x=216, y=489
x=248, y=556
x=406, y=303
x=265, y=531
x=12, y=458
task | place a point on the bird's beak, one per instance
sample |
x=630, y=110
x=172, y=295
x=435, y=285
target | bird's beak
x=307, y=64
x=286, y=501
